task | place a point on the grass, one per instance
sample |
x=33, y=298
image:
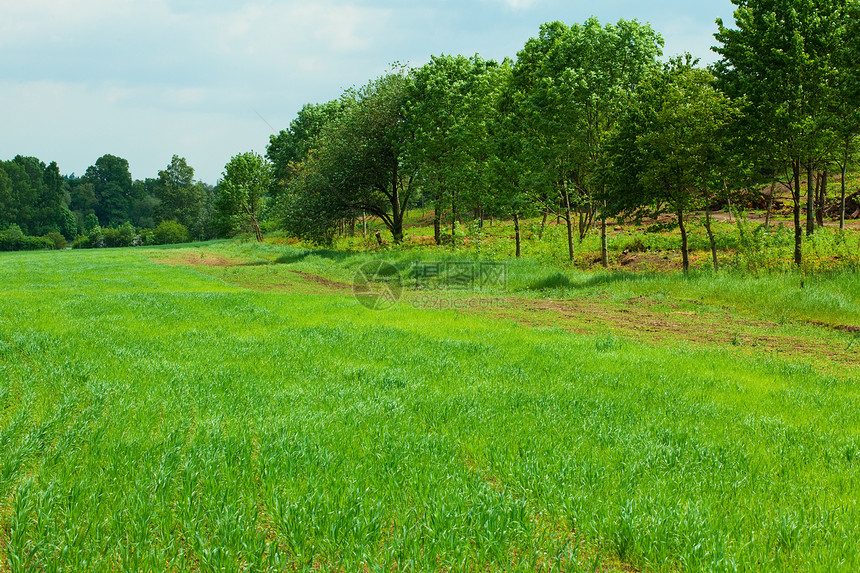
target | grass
x=225, y=413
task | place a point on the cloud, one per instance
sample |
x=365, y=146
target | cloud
x=518, y=4
x=148, y=78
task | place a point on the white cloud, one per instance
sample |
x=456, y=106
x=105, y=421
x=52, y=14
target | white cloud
x=519, y=4
x=148, y=78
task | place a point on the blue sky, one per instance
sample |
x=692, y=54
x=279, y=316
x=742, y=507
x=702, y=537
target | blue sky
x=146, y=79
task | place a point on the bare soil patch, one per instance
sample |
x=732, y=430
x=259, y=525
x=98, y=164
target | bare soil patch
x=662, y=324
x=199, y=259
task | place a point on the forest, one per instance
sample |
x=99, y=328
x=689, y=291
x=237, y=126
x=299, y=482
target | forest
x=588, y=124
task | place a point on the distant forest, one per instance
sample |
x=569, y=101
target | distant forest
x=587, y=123
x=105, y=204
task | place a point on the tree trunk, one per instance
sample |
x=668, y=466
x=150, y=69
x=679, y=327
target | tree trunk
x=363, y=224
x=822, y=198
x=453, y=219
x=842, y=200
x=711, y=236
x=729, y=200
x=517, y=234
x=437, y=225
x=604, y=244
x=543, y=223
x=798, y=228
x=585, y=220
x=684, y=253
x=569, y=217
x=810, y=201
x=252, y=217
x=396, y=212
x=770, y=203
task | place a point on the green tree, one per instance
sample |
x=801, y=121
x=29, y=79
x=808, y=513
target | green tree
x=26, y=175
x=846, y=112
x=111, y=181
x=448, y=104
x=356, y=164
x=509, y=169
x=677, y=128
x=179, y=197
x=50, y=203
x=574, y=83
x=170, y=232
x=780, y=61
x=246, y=179
x=290, y=147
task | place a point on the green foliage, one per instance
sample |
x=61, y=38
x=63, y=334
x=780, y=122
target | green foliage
x=241, y=192
x=356, y=164
x=449, y=104
x=169, y=233
x=58, y=241
x=179, y=197
x=122, y=236
x=290, y=147
x=13, y=239
x=112, y=187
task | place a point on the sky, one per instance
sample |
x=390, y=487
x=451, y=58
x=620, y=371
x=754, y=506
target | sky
x=207, y=79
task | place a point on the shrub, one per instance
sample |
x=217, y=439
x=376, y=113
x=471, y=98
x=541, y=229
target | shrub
x=122, y=236
x=170, y=232
x=13, y=239
x=96, y=238
x=57, y=240
x=636, y=245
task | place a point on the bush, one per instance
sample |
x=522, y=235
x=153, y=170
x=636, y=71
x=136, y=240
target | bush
x=57, y=240
x=96, y=238
x=170, y=232
x=636, y=245
x=13, y=239
x=122, y=236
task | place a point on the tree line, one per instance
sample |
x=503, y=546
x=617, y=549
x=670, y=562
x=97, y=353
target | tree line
x=40, y=208
x=588, y=123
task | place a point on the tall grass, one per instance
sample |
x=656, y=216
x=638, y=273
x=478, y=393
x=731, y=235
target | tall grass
x=157, y=418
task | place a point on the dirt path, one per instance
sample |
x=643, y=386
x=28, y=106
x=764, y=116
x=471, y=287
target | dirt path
x=660, y=323
x=666, y=324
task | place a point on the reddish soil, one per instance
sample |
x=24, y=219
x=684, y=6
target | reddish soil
x=197, y=259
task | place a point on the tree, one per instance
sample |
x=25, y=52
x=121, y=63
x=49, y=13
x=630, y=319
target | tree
x=244, y=182
x=179, y=197
x=111, y=181
x=290, y=147
x=780, y=62
x=509, y=171
x=356, y=164
x=846, y=112
x=50, y=214
x=677, y=128
x=448, y=103
x=575, y=81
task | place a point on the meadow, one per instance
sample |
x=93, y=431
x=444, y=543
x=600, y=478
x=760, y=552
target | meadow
x=229, y=406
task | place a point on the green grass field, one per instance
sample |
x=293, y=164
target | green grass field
x=231, y=407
